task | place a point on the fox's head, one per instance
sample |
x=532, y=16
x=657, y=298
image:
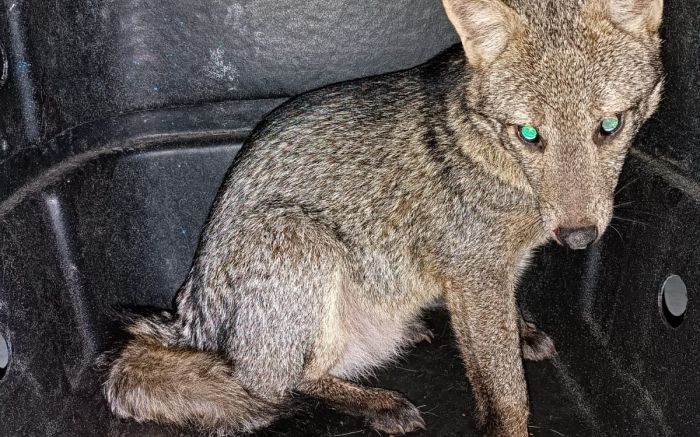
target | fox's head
x=564, y=85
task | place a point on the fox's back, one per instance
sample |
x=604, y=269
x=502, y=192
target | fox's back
x=355, y=146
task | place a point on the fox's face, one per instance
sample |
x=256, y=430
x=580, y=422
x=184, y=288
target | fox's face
x=564, y=86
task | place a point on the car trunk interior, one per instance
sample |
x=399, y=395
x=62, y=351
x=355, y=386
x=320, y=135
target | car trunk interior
x=118, y=121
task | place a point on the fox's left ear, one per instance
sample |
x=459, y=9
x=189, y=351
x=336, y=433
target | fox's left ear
x=636, y=16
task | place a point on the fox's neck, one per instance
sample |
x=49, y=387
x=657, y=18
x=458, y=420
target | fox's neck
x=451, y=80
x=471, y=138
x=493, y=159
x=489, y=176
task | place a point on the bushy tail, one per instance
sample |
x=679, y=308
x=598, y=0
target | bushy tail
x=150, y=381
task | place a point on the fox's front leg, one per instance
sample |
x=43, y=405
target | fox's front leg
x=485, y=322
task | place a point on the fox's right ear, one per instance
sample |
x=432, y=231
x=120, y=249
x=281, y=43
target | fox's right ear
x=484, y=26
x=636, y=16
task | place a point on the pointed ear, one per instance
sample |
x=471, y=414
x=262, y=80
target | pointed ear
x=485, y=27
x=636, y=16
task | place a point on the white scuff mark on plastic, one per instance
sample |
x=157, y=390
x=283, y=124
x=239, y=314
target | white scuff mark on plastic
x=219, y=69
x=233, y=15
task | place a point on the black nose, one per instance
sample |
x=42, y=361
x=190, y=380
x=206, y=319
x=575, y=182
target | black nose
x=577, y=238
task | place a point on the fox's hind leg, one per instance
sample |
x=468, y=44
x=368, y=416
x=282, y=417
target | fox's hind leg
x=261, y=298
x=384, y=410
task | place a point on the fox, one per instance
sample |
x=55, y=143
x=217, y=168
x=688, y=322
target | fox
x=352, y=208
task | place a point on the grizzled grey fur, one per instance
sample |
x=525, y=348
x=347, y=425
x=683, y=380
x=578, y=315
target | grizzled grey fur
x=354, y=207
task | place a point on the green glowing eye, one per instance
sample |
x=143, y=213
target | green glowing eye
x=528, y=133
x=609, y=125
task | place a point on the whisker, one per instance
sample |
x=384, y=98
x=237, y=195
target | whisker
x=629, y=220
x=634, y=209
x=645, y=201
x=618, y=232
x=348, y=433
x=636, y=222
x=624, y=204
x=647, y=213
x=626, y=185
x=628, y=208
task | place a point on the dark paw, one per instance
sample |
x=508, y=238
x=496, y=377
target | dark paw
x=418, y=333
x=401, y=418
x=536, y=345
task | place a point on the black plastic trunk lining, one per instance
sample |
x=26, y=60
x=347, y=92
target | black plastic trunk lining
x=119, y=120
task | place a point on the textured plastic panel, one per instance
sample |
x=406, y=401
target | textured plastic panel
x=74, y=61
x=96, y=215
